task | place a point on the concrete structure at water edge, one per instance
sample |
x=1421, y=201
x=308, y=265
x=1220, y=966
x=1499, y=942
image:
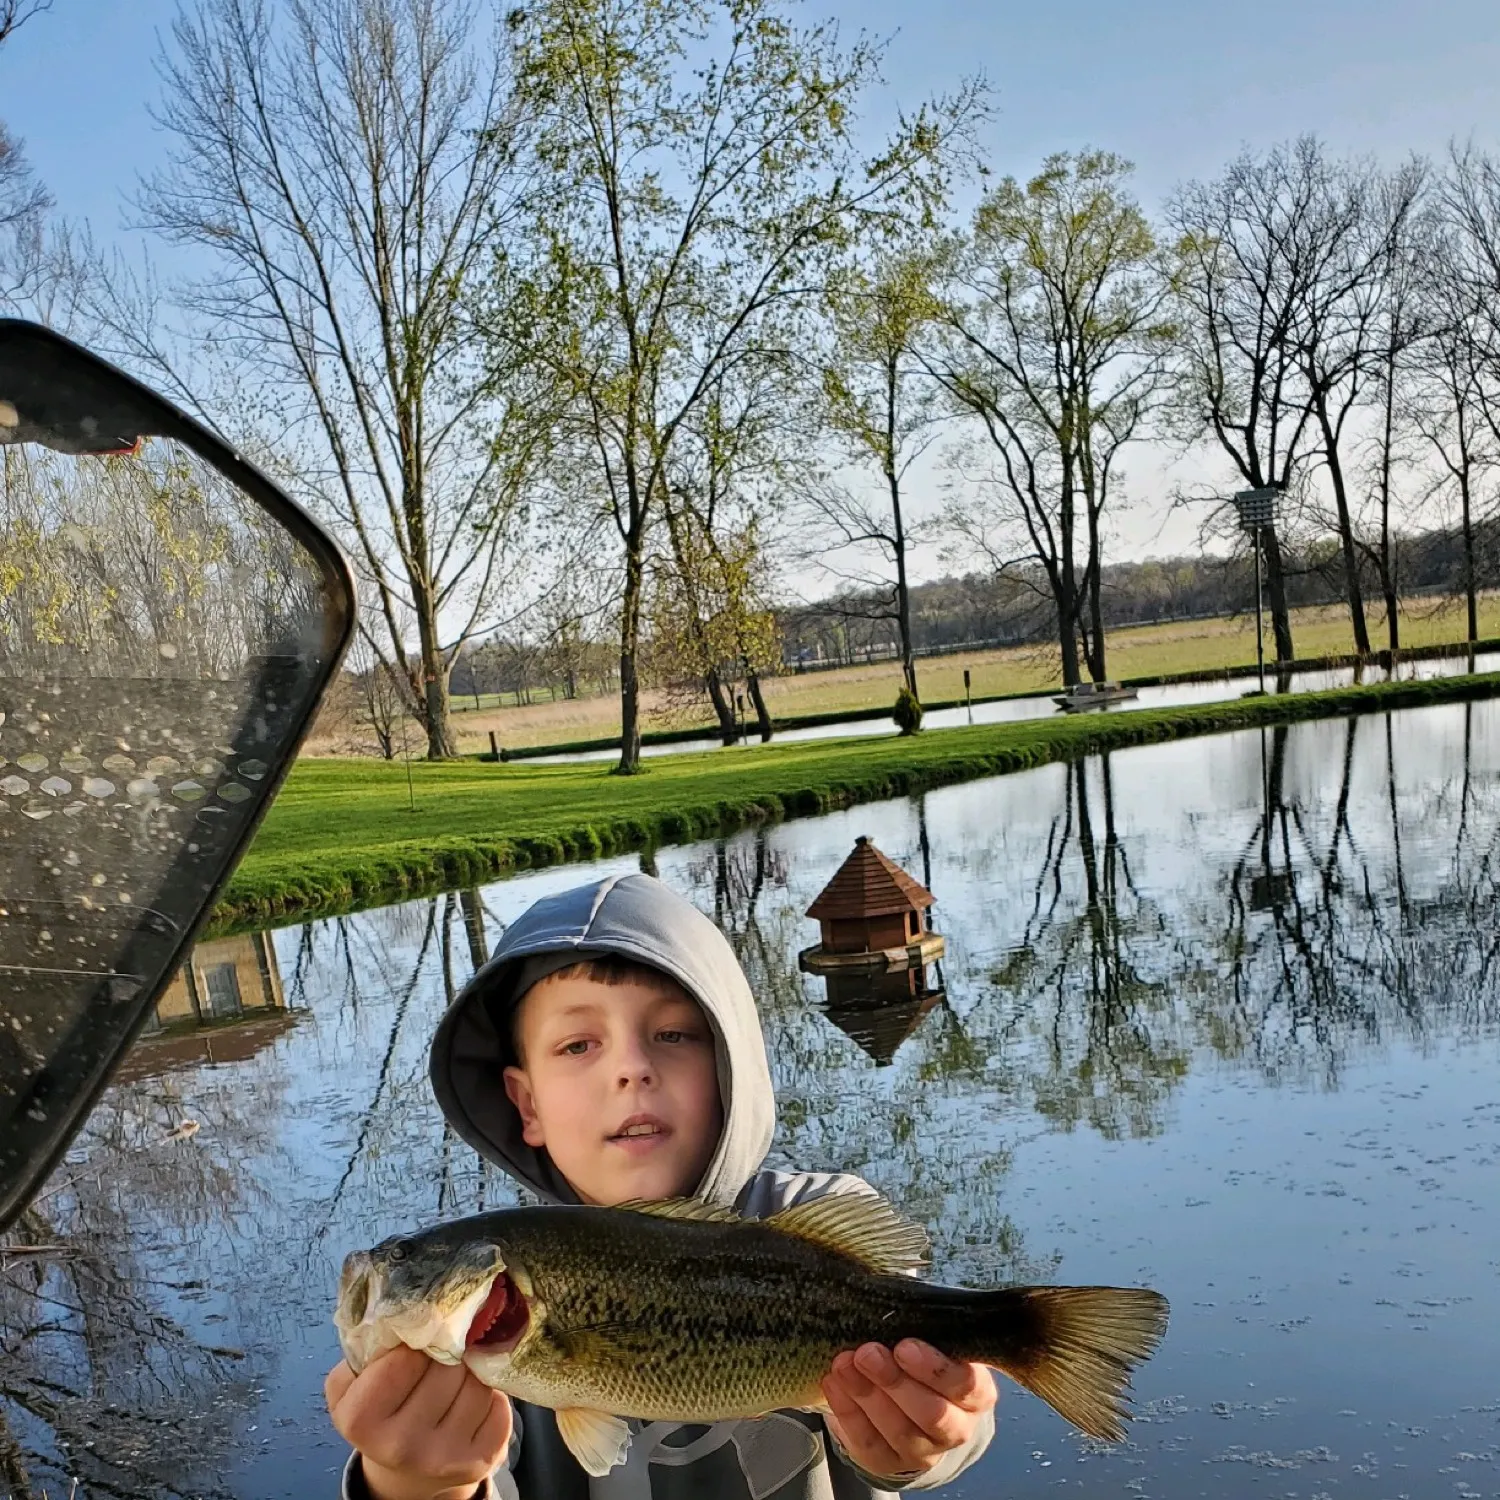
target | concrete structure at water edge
x=224, y=1005
x=873, y=917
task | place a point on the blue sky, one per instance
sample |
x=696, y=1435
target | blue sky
x=1178, y=86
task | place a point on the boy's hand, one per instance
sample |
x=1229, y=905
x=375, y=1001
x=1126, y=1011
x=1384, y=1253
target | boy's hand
x=897, y=1412
x=424, y=1431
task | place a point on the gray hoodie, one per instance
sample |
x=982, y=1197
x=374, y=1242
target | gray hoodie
x=786, y=1456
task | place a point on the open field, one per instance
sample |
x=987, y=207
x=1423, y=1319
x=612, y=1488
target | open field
x=1143, y=651
x=341, y=834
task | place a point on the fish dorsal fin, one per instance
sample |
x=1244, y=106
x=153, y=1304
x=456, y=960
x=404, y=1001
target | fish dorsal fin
x=681, y=1208
x=862, y=1226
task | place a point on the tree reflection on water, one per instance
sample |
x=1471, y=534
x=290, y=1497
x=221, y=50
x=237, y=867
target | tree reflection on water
x=1273, y=907
x=102, y=1379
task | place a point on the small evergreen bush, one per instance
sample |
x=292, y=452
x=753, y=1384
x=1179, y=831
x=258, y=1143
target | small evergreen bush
x=908, y=712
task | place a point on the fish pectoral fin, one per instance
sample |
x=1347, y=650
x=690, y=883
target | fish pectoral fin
x=595, y=1438
x=681, y=1208
x=862, y=1226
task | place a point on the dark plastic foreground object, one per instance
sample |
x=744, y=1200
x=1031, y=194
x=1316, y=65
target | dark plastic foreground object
x=169, y=620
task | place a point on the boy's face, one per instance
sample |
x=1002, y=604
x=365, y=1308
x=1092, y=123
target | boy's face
x=619, y=1083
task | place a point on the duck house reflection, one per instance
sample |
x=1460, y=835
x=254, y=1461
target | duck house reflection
x=878, y=1012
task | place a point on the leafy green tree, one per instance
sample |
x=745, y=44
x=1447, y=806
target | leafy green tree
x=699, y=176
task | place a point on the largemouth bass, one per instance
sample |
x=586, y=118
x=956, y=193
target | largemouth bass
x=681, y=1311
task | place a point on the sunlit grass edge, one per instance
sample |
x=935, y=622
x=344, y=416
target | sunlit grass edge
x=342, y=834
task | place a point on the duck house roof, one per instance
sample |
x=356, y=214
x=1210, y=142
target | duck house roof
x=868, y=884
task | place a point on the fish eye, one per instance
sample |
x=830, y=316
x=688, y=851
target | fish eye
x=398, y=1252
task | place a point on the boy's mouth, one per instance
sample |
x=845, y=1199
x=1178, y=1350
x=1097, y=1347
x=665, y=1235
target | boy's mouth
x=642, y=1128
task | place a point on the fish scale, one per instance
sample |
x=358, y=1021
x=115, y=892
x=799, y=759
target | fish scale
x=758, y=1329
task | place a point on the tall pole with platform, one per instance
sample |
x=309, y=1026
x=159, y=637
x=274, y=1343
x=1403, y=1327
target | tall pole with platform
x=1257, y=508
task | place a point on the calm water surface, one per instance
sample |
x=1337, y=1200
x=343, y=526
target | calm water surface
x=1220, y=1016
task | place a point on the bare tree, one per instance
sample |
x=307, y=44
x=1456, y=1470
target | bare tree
x=884, y=406
x=1056, y=336
x=350, y=165
x=381, y=701
x=23, y=200
x=1468, y=285
x=1251, y=246
x=1446, y=395
x=13, y=13
x=1405, y=318
x=1355, y=223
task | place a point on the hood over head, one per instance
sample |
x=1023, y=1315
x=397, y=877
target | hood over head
x=634, y=917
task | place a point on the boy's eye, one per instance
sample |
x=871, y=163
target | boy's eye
x=675, y=1034
x=575, y=1048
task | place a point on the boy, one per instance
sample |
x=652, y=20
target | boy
x=609, y=1050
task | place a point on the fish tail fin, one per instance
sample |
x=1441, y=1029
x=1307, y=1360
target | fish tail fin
x=1075, y=1346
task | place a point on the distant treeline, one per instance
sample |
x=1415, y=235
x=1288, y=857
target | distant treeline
x=1013, y=609
x=1010, y=609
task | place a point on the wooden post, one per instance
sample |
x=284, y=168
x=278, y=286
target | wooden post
x=494, y=746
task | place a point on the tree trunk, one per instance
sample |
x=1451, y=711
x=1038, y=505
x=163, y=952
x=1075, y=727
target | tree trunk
x=729, y=729
x=893, y=482
x=763, y=719
x=630, y=637
x=1346, y=535
x=1067, y=633
x=473, y=910
x=440, y=742
x=1281, y=620
x=1387, y=561
x=1096, y=604
x=1469, y=594
x=1092, y=511
x=435, y=705
x=1066, y=589
x=903, y=594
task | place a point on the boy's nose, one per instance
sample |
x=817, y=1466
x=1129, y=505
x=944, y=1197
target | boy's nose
x=633, y=1065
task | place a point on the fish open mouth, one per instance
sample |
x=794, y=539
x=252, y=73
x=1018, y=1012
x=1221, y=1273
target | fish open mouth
x=501, y=1319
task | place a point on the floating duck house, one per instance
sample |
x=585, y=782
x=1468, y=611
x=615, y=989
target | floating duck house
x=873, y=917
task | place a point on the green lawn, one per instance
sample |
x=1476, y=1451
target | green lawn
x=341, y=834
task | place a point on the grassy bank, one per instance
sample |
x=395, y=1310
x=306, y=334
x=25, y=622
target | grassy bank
x=341, y=835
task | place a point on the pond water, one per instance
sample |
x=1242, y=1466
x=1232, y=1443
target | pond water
x=1043, y=706
x=1219, y=1016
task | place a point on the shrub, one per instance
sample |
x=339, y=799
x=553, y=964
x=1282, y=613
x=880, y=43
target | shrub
x=908, y=712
